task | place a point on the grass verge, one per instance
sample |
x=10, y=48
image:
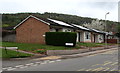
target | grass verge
x=13, y=54
x=92, y=44
x=39, y=48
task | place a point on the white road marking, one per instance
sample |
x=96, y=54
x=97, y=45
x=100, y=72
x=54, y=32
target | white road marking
x=24, y=67
x=4, y=68
x=19, y=66
x=114, y=63
x=107, y=63
x=51, y=61
x=89, y=70
x=81, y=69
x=37, y=62
x=106, y=69
x=58, y=60
x=11, y=69
x=29, y=64
x=0, y=71
x=98, y=69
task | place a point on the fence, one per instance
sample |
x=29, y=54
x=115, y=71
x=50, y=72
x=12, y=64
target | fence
x=112, y=41
x=8, y=35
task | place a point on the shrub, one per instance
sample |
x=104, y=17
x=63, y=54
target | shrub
x=41, y=51
x=60, y=38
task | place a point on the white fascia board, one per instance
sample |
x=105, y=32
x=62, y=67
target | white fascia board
x=96, y=30
x=107, y=33
x=81, y=27
x=28, y=18
x=99, y=31
x=60, y=22
x=40, y=20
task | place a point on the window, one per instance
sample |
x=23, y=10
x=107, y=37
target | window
x=57, y=30
x=100, y=37
x=67, y=30
x=52, y=30
x=87, y=35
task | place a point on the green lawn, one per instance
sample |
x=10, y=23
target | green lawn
x=92, y=44
x=37, y=48
x=0, y=53
x=13, y=54
x=34, y=47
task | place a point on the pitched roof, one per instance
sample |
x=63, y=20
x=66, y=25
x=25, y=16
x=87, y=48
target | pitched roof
x=81, y=27
x=98, y=31
x=60, y=22
x=28, y=18
x=46, y=21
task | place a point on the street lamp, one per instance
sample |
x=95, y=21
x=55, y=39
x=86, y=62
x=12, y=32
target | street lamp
x=106, y=30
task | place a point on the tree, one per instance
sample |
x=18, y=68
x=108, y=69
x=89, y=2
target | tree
x=95, y=24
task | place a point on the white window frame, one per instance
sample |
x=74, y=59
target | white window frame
x=87, y=35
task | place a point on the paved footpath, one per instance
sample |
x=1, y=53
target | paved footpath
x=107, y=61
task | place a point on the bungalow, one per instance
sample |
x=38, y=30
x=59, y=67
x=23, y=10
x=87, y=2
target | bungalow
x=97, y=36
x=83, y=34
x=89, y=35
x=65, y=27
x=32, y=30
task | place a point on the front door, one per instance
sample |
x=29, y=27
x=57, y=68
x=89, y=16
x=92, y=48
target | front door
x=79, y=36
x=94, y=38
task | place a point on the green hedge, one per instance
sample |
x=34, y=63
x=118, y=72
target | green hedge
x=60, y=38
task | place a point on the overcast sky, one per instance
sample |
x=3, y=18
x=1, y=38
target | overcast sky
x=84, y=8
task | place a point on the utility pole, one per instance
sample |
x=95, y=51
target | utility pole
x=106, y=30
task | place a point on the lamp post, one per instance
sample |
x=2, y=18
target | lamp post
x=106, y=30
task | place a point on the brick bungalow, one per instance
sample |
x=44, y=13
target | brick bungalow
x=32, y=29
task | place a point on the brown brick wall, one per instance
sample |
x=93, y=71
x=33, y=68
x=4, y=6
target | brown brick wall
x=112, y=41
x=31, y=31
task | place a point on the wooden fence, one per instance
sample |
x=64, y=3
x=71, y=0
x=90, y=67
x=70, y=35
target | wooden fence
x=112, y=41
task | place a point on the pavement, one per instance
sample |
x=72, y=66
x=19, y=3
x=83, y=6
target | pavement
x=106, y=60
x=87, y=53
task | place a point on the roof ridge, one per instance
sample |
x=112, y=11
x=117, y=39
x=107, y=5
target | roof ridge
x=28, y=18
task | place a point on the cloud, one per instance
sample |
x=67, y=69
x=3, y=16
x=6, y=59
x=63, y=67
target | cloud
x=85, y=8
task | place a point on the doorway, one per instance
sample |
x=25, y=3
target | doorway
x=79, y=36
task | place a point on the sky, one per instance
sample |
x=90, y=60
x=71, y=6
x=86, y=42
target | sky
x=83, y=8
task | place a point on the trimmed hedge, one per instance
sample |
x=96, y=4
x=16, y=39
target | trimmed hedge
x=60, y=38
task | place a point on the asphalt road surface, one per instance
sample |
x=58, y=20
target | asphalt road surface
x=107, y=61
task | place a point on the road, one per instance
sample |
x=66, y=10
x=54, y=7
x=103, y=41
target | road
x=107, y=61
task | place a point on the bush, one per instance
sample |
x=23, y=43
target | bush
x=60, y=38
x=41, y=51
